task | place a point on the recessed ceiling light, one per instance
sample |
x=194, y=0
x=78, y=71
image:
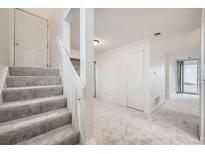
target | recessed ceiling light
x=96, y=42
x=157, y=34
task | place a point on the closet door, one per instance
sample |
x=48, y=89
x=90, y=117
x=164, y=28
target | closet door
x=135, y=80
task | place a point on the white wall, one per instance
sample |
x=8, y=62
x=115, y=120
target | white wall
x=74, y=53
x=58, y=28
x=180, y=47
x=169, y=49
x=157, y=73
x=172, y=76
x=162, y=54
x=4, y=36
x=112, y=72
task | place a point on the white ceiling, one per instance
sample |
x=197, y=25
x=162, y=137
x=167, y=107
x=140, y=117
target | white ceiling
x=180, y=46
x=118, y=27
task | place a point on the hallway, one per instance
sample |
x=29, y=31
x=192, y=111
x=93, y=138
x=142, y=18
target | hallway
x=174, y=123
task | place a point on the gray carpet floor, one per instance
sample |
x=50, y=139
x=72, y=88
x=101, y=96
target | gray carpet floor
x=175, y=122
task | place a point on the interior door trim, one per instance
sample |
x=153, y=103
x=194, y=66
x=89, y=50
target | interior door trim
x=14, y=62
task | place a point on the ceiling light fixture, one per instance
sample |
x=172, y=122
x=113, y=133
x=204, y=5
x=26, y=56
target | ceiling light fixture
x=96, y=43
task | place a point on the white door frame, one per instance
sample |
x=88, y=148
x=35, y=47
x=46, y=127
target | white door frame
x=12, y=36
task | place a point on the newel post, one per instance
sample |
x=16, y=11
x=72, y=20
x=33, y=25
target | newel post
x=86, y=73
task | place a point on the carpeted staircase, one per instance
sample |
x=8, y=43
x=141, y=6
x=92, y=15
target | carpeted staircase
x=34, y=110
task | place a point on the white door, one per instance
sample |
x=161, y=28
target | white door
x=135, y=80
x=30, y=40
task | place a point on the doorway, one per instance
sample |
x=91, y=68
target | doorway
x=31, y=39
x=188, y=76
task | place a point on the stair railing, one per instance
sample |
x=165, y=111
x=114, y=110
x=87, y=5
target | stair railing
x=74, y=89
x=79, y=89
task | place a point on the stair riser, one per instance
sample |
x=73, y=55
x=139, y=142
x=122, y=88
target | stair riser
x=71, y=140
x=24, y=94
x=26, y=71
x=16, y=81
x=15, y=112
x=22, y=133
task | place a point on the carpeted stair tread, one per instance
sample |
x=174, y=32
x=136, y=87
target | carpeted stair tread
x=24, y=93
x=23, y=108
x=34, y=109
x=62, y=135
x=16, y=131
x=30, y=71
x=26, y=81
